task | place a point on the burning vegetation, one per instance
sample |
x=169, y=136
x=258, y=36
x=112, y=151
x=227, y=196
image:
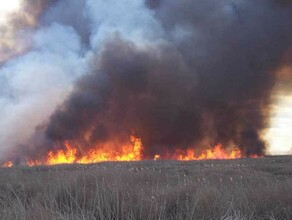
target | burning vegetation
x=133, y=151
x=191, y=80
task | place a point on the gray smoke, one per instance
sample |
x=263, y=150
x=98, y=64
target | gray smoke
x=177, y=74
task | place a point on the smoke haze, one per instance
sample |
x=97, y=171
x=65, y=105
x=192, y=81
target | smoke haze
x=177, y=74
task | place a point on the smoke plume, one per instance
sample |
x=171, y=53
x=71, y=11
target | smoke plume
x=177, y=74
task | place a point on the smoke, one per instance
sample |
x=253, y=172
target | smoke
x=16, y=27
x=33, y=84
x=177, y=74
x=234, y=48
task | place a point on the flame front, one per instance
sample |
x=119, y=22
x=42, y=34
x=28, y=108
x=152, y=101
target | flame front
x=217, y=153
x=71, y=154
x=133, y=151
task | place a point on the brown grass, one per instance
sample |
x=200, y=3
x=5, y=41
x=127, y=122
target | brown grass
x=229, y=190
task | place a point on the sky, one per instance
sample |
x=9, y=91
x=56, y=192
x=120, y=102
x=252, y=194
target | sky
x=279, y=135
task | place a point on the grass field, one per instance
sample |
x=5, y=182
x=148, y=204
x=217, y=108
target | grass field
x=230, y=190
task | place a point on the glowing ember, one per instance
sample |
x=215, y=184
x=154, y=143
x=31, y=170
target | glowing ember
x=254, y=156
x=156, y=157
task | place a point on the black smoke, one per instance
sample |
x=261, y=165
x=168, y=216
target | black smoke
x=210, y=81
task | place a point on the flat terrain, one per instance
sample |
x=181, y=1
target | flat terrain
x=232, y=189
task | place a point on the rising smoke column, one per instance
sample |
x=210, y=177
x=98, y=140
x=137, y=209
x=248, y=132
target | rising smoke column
x=35, y=81
x=209, y=82
x=235, y=48
x=177, y=74
x=60, y=48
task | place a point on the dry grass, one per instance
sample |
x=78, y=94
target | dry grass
x=229, y=190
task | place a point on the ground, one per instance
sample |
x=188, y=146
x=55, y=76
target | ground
x=228, y=190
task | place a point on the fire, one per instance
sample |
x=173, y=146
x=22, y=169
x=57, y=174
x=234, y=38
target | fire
x=217, y=153
x=71, y=154
x=8, y=164
x=133, y=151
x=156, y=157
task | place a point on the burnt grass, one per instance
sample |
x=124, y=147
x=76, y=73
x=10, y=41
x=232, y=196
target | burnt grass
x=232, y=189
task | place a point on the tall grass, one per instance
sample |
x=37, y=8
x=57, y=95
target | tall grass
x=227, y=190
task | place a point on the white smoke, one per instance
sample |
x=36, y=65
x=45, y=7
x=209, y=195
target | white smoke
x=34, y=84
x=37, y=82
x=69, y=33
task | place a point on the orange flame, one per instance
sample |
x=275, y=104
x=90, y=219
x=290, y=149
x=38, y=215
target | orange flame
x=70, y=155
x=217, y=153
x=133, y=151
x=8, y=164
x=156, y=157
